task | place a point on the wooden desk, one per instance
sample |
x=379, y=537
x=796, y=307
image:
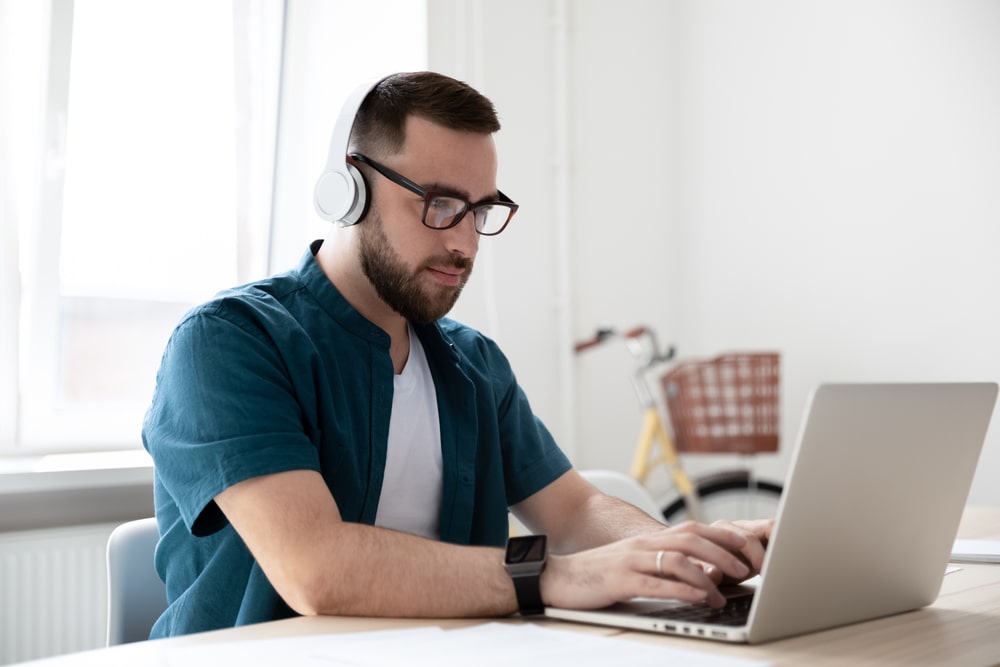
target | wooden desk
x=961, y=628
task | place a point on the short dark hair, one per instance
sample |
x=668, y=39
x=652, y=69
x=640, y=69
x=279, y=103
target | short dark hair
x=380, y=125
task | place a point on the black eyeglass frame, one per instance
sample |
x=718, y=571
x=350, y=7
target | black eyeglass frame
x=428, y=195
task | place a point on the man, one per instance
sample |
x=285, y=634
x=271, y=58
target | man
x=326, y=442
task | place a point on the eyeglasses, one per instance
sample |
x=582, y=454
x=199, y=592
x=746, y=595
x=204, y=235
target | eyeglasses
x=443, y=211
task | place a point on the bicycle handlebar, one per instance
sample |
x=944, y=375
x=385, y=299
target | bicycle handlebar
x=604, y=334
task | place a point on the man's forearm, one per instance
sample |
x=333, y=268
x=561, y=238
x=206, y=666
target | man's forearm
x=602, y=520
x=320, y=564
x=372, y=571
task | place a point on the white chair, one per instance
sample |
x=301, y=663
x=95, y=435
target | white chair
x=627, y=488
x=136, y=594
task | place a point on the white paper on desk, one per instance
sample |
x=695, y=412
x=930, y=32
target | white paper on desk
x=976, y=551
x=489, y=645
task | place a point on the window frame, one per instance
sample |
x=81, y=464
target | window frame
x=33, y=420
x=291, y=102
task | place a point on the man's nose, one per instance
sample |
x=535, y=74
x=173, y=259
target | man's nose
x=463, y=237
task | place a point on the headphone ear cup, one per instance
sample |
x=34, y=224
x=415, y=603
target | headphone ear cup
x=342, y=196
x=359, y=209
x=333, y=195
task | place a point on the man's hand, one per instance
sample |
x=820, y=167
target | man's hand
x=757, y=533
x=685, y=562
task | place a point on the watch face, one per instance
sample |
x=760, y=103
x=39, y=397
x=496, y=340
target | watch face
x=527, y=549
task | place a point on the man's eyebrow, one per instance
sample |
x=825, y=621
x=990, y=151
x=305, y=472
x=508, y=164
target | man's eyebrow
x=443, y=189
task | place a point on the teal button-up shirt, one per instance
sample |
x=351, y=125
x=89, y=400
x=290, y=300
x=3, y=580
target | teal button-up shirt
x=283, y=375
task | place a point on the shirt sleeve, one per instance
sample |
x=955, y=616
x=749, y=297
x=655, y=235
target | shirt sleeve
x=531, y=457
x=224, y=411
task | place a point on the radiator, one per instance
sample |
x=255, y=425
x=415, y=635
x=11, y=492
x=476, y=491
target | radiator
x=53, y=595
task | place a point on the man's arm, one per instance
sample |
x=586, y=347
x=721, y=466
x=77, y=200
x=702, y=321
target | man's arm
x=576, y=516
x=608, y=535
x=320, y=564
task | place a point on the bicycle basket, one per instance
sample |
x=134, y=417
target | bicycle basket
x=728, y=404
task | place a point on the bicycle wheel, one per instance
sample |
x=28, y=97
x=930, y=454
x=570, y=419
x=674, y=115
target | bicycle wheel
x=730, y=495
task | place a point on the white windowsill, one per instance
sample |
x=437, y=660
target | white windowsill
x=61, y=490
x=87, y=470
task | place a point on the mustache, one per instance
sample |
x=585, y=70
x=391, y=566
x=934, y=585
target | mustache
x=454, y=261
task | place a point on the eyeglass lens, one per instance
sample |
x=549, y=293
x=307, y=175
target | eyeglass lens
x=442, y=212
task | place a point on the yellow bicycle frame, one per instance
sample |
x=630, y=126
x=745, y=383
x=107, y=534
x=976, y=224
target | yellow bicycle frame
x=653, y=434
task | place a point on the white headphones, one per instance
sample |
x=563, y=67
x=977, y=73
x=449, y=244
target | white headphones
x=341, y=194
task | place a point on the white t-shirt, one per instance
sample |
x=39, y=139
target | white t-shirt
x=411, y=486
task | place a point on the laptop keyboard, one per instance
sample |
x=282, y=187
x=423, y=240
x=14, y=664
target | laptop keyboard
x=734, y=613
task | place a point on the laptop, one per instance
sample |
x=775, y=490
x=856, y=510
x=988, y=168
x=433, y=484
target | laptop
x=877, y=485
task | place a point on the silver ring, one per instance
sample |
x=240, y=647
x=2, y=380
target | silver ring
x=659, y=562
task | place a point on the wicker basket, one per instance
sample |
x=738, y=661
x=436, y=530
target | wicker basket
x=728, y=404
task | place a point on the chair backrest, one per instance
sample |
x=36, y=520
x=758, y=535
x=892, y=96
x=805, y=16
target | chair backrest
x=620, y=485
x=136, y=594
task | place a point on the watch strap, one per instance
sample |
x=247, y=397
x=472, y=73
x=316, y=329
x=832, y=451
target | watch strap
x=529, y=594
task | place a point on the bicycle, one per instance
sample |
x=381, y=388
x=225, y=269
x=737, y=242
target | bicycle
x=723, y=405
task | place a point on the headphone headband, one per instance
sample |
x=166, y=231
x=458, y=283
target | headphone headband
x=341, y=194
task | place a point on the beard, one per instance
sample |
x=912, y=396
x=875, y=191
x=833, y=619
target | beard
x=400, y=288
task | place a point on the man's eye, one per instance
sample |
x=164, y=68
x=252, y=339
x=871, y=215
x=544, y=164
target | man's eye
x=445, y=204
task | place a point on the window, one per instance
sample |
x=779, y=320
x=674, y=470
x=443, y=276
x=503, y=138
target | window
x=143, y=142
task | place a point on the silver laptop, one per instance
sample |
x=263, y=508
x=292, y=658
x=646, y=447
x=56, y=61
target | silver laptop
x=878, y=482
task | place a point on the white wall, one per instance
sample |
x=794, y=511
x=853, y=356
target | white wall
x=324, y=60
x=817, y=177
x=839, y=191
x=519, y=289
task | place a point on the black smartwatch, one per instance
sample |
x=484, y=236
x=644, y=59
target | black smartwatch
x=525, y=560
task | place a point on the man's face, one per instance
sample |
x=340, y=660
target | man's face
x=417, y=271
x=400, y=287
